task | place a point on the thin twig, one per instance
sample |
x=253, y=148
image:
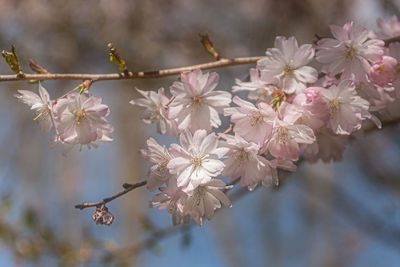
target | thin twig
x=128, y=188
x=224, y=62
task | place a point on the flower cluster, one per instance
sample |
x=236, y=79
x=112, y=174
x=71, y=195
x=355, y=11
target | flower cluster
x=292, y=110
x=77, y=118
x=304, y=101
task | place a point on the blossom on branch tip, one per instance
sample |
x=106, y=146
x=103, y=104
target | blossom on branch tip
x=40, y=104
x=196, y=104
x=286, y=63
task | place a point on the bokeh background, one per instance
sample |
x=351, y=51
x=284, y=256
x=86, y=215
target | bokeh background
x=335, y=214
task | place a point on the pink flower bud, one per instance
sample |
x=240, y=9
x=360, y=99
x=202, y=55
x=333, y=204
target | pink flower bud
x=313, y=93
x=383, y=72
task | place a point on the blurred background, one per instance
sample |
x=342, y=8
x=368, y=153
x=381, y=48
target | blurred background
x=336, y=214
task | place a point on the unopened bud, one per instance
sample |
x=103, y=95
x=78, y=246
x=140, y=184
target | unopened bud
x=116, y=58
x=37, y=68
x=12, y=61
x=209, y=46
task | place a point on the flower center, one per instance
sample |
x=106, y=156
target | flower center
x=350, y=53
x=242, y=156
x=288, y=70
x=44, y=110
x=79, y=115
x=256, y=117
x=283, y=134
x=334, y=106
x=196, y=161
x=196, y=100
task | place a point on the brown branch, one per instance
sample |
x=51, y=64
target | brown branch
x=128, y=188
x=224, y=62
x=392, y=40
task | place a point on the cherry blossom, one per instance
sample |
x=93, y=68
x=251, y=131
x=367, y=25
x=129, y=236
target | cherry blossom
x=287, y=135
x=254, y=123
x=196, y=104
x=156, y=110
x=205, y=199
x=81, y=119
x=197, y=159
x=260, y=86
x=172, y=199
x=347, y=109
x=287, y=64
x=40, y=104
x=350, y=53
x=383, y=72
x=159, y=173
x=244, y=162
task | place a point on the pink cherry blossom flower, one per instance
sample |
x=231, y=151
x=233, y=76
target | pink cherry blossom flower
x=347, y=109
x=172, y=199
x=350, y=53
x=197, y=159
x=383, y=72
x=81, y=119
x=260, y=86
x=313, y=110
x=244, y=162
x=40, y=104
x=159, y=173
x=287, y=64
x=251, y=122
x=390, y=28
x=205, y=199
x=196, y=104
x=287, y=135
x=156, y=110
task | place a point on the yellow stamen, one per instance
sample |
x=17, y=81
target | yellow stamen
x=288, y=70
x=334, y=106
x=80, y=115
x=283, y=134
x=242, y=156
x=196, y=100
x=350, y=53
x=256, y=117
x=196, y=161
